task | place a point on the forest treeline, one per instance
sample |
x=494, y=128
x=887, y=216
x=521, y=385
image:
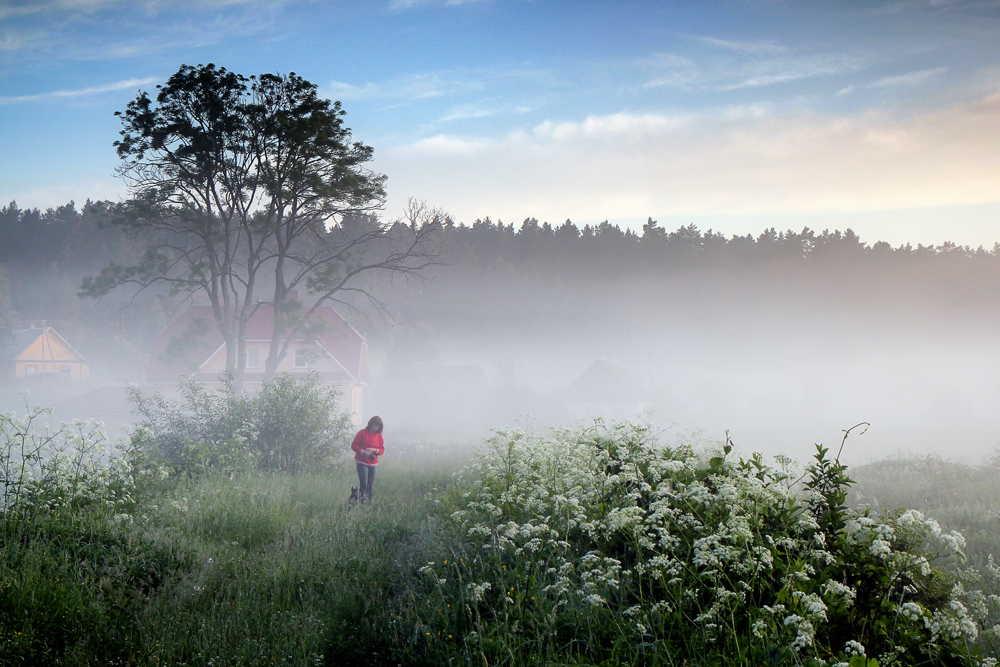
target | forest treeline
x=534, y=274
x=543, y=274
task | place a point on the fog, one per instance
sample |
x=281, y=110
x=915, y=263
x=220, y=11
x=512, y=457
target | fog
x=920, y=395
x=783, y=339
x=781, y=374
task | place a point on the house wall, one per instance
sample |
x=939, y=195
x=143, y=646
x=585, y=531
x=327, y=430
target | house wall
x=356, y=397
x=72, y=370
x=321, y=361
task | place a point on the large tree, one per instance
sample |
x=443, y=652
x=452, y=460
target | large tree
x=247, y=189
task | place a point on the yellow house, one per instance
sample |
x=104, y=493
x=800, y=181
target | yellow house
x=40, y=352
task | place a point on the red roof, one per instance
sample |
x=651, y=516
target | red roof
x=191, y=340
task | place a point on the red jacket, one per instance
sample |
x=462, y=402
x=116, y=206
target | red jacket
x=365, y=439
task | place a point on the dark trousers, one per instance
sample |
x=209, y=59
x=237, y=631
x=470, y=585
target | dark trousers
x=366, y=474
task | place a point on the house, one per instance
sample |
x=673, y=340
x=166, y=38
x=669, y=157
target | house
x=604, y=390
x=193, y=346
x=40, y=352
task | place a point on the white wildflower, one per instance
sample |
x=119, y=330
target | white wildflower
x=911, y=610
x=880, y=548
x=835, y=589
x=854, y=648
x=478, y=590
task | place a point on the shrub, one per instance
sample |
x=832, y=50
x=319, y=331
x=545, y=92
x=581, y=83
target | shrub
x=594, y=546
x=292, y=423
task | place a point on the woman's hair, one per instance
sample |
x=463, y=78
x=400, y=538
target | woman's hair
x=375, y=421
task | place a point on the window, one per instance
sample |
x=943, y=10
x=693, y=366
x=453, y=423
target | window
x=253, y=358
x=30, y=371
x=305, y=358
x=64, y=372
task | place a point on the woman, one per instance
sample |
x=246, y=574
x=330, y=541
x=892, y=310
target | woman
x=368, y=446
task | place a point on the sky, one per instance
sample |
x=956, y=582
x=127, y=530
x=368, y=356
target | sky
x=878, y=115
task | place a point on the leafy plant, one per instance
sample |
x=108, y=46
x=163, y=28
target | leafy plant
x=292, y=423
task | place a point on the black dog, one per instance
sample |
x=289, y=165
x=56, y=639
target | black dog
x=354, y=499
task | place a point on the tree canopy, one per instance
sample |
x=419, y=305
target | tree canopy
x=245, y=189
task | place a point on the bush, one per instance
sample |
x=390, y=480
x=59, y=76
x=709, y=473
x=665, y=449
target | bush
x=594, y=546
x=291, y=424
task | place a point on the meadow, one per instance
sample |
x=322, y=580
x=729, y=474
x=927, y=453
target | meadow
x=594, y=545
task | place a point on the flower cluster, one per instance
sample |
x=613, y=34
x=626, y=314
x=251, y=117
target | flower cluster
x=74, y=466
x=600, y=532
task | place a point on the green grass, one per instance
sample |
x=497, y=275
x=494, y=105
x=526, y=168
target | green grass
x=254, y=570
x=273, y=569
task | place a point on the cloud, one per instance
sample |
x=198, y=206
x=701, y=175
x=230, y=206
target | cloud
x=397, y=5
x=444, y=145
x=338, y=90
x=771, y=72
x=756, y=64
x=909, y=79
x=670, y=70
x=15, y=41
x=751, y=47
x=467, y=112
x=483, y=109
x=421, y=86
x=79, y=92
x=906, y=6
x=10, y=9
x=744, y=163
x=108, y=29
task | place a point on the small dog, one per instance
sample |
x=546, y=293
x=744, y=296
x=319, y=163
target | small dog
x=354, y=499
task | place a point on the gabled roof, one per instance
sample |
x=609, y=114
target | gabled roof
x=602, y=382
x=191, y=340
x=25, y=338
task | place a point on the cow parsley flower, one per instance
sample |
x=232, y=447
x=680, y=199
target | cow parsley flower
x=854, y=648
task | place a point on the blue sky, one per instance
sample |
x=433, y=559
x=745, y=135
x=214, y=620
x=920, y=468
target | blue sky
x=883, y=116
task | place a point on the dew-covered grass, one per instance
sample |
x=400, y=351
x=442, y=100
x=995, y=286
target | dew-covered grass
x=586, y=546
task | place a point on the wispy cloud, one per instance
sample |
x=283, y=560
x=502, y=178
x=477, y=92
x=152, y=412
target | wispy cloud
x=15, y=41
x=908, y=79
x=783, y=70
x=738, y=66
x=417, y=87
x=79, y=92
x=397, y=5
x=670, y=70
x=339, y=90
x=745, y=46
x=902, y=6
x=467, y=112
x=92, y=29
x=8, y=10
